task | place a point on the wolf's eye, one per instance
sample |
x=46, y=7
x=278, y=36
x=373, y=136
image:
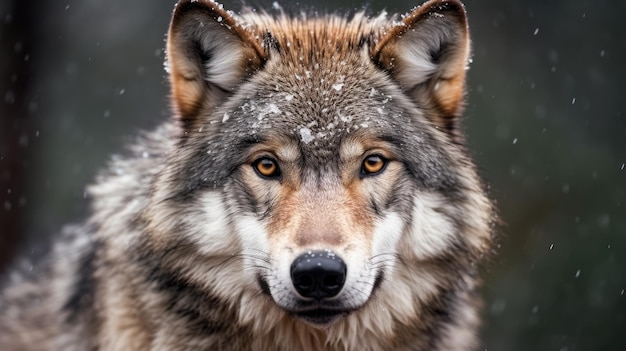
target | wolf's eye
x=373, y=165
x=266, y=167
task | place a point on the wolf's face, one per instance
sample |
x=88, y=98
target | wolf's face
x=326, y=203
x=328, y=183
x=322, y=152
x=326, y=226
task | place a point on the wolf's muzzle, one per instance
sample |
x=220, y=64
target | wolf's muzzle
x=318, y=274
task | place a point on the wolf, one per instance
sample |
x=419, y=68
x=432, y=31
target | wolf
x=312, y=191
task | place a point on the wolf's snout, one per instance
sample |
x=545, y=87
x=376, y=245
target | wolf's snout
x=318, y=274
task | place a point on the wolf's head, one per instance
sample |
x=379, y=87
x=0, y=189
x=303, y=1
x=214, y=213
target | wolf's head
x=320, y=164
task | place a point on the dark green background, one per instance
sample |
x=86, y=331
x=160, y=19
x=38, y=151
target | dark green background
x=545, y=121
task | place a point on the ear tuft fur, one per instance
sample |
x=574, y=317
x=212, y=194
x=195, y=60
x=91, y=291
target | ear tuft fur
x=427, y=55
x=209, y=53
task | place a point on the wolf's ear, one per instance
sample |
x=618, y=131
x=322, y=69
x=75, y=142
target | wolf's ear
x=427, y=55
x=208, y=54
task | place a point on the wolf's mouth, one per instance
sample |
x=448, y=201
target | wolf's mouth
x=320, y=314
x=321, y=317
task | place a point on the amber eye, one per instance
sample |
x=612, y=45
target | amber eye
x=373, y=164
x=266, y=167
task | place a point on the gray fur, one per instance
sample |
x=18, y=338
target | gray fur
x=163, y=262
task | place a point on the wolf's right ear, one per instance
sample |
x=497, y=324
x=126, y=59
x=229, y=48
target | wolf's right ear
x=208, y=54
x=427, y=54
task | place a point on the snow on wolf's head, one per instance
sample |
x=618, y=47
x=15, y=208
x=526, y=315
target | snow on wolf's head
x=320, y=161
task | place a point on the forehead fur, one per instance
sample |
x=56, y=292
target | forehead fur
x=306, y=40
x=318, y=83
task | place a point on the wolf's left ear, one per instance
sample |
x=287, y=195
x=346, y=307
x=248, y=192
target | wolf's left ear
x=208, y=54
x=427, y=55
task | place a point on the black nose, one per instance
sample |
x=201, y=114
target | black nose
x=318, y=274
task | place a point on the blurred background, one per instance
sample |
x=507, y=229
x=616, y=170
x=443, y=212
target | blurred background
x=545, y=121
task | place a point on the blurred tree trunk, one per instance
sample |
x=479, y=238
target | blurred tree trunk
x=16, y=44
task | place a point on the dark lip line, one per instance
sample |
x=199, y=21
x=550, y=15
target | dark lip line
x=337, y=309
